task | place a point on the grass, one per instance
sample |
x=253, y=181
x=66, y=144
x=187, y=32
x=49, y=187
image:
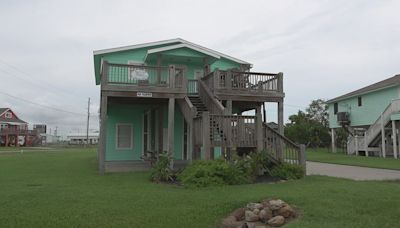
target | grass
x=324, y=155
x=63, y=189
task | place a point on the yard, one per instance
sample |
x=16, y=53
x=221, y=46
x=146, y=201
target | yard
x=62, y=189
x=324, y=155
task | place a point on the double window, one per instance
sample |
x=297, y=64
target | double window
x=124, y=136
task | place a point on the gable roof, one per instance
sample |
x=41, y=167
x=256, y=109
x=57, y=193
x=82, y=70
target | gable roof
x=390, y=82
x=5, y=120
x=172, y=41
x=177, y=46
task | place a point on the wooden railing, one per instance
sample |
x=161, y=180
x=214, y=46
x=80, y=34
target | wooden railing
x=208, y=98
x=138, y=75
x=232, y=131
x=282, y=148
x=245, y=81
x=192, y=87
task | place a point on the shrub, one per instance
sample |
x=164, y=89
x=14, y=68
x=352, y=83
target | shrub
x=204, y=173
x=161, y=170
x=288, y=171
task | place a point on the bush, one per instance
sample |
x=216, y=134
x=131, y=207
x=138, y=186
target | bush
x=204, y=173
x=288, y=171
x=161, y=169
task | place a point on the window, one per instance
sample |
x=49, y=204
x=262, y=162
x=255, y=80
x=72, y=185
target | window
x=359, y=101
x=8, y=115
x=124, y=136
x=335, y=108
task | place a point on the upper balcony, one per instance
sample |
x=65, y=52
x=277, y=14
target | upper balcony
x=146, y=81
x=244, y=86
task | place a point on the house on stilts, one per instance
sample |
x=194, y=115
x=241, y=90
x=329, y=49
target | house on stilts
x=188, y=100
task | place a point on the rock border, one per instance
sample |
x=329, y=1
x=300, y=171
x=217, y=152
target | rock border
x=267, y=213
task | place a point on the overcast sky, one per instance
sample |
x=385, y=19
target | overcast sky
x=324, y=48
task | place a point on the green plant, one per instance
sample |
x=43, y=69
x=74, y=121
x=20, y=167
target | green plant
x=161, y=170
x=288, y=171
x=204, y=173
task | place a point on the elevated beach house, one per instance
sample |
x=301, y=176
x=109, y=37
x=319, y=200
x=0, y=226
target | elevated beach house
x=188, y=100
x=371, y=116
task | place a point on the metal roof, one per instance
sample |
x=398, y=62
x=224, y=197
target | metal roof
x=390, y=82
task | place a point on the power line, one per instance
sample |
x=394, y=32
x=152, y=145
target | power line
x=45, y=106
x=29, y=79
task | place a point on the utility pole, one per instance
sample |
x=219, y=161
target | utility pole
x=87, y=123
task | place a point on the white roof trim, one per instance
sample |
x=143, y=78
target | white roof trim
x=177, y=40
x=167, y=48
x=4, y=111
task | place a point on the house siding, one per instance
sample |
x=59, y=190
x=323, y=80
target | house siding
x=373, y=104
x=133, y=114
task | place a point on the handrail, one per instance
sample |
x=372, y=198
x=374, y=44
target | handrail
x=216, y=106
x=281, y=136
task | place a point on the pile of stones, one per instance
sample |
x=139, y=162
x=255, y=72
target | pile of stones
x=268, y=213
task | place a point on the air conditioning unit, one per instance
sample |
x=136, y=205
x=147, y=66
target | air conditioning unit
x=343, y=117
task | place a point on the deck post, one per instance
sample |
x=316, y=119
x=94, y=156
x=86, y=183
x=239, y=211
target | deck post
x=171, y=76
x=103, y=133
x=302, y=158
x=171, y=129
x=366, y=144
x=356, y=142
x=280, y=146
x=280, y=82
x=333, y=140
x=206, y=135
x=228, y=107
x=216, y=77
x=228, y=80
x=383, y=138
x=159, y=69
x=394, y=137
x=259, y=134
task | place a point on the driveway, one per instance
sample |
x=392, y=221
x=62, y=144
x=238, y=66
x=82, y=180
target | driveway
x=351, y=172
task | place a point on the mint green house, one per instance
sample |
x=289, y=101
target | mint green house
x=371, y=116
x=188, y=100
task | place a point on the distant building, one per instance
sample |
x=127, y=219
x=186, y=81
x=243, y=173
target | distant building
x=14, y=131
x=80, y=138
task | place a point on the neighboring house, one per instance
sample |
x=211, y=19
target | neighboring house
x=13, y=130
x=180, y=97
x=371, y=116
x=81, y=138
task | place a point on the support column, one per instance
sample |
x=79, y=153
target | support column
x=394, y=139
x=259, y=134
x=280, y=117
x=333, y=140
x=229, y=107
x=103, y=133
x=383, y=152
x=171, y=129
x=356, y=141
x=264, y=112
x=206, y=135
x=280, y=144
x=366, y=143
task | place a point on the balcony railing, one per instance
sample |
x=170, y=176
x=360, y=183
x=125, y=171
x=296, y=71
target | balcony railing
x=138, y=75
x=252, y=82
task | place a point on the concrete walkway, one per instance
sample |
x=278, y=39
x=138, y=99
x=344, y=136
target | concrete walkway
x=351, y=172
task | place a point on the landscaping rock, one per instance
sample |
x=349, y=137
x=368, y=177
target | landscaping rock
x=256, y=211
x=265, y=214
x=251, y=217
x=276, y=221
x=286, y=211
x=276, y=204
x=239, y=214
x=252, y=206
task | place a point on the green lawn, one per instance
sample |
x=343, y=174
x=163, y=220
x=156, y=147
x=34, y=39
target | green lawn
x=62, y=189
x=323, y=155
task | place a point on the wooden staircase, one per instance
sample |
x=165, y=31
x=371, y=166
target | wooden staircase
x=198, y=104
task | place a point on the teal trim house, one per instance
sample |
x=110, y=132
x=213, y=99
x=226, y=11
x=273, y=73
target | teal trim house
x=371, y=116
x=188, y=100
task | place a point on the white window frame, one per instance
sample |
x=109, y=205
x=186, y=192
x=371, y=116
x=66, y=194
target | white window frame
x=116, y=136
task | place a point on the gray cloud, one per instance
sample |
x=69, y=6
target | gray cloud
x=324, y=48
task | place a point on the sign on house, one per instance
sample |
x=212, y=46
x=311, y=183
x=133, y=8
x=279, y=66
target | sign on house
x=144, y=94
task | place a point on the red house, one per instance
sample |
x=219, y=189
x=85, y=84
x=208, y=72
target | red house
x=13, y=130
